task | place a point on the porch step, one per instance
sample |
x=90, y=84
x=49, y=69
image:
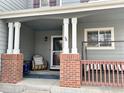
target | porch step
x=15, y=88
x=35, y=91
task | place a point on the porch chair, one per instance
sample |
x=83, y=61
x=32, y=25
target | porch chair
x=39, y=63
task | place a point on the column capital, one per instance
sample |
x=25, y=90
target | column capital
x=74, y=20
x=17, y=24
x=66, y=21
x=10, y=24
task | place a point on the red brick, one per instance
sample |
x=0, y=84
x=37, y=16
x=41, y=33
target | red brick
x=12, y=68
x=70, y=75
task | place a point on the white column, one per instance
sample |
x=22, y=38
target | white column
x=17, y=38
x=65, y=35
x=74, y=35
x=10, y=38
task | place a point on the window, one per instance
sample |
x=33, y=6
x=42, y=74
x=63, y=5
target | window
x=44, y=3
x=36, y=3
x=53, y=2
x=40, y=3
x=99, y=38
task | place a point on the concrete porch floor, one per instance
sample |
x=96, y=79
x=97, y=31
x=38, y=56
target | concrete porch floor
x=48, y=72
x=39, y=82
x=30, y=85
x=45, y=74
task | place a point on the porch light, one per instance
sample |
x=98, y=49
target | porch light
x=46, y=39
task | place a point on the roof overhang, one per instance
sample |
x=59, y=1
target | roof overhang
x=82, y=7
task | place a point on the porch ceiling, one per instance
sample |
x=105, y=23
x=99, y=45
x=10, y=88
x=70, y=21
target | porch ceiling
x=55, y=22
x=44, y=24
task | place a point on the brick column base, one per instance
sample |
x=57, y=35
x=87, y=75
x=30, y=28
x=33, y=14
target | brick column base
x=70, y=70
x=12, y=68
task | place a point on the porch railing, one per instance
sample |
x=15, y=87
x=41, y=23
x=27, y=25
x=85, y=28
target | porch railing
x=102, y=73
x=46, y=3
x=103, y=67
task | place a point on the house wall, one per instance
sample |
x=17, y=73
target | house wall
x=8, y=5
x=3, y=38
x=27, y=42
x=30, y=3
x=115, y=54
x=64, y=2
x=44, y=48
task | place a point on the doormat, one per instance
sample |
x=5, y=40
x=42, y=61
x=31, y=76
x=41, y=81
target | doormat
x=41, y=76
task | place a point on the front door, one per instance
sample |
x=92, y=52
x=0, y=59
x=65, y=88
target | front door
x=56, y=49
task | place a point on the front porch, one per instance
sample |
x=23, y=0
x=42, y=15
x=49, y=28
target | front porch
x=65, y=52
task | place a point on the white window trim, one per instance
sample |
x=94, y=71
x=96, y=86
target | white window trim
x=99, y=29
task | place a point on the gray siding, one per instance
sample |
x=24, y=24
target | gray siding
x=30, y=3
x=27, y=42
x=8, y=5
x=3, y=37
x=112, y=54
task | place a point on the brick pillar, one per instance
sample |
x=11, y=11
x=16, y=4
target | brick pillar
x=12, y=68
x=70, y=70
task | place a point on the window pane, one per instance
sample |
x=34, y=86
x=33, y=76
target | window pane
x=44, y=2
x=56, y=58
x=105, y=38
x=57, y=44
x=53, y=2
x=93, y=39
x=36, y=3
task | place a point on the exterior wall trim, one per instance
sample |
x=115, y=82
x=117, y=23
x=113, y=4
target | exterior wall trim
x=82, y=7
